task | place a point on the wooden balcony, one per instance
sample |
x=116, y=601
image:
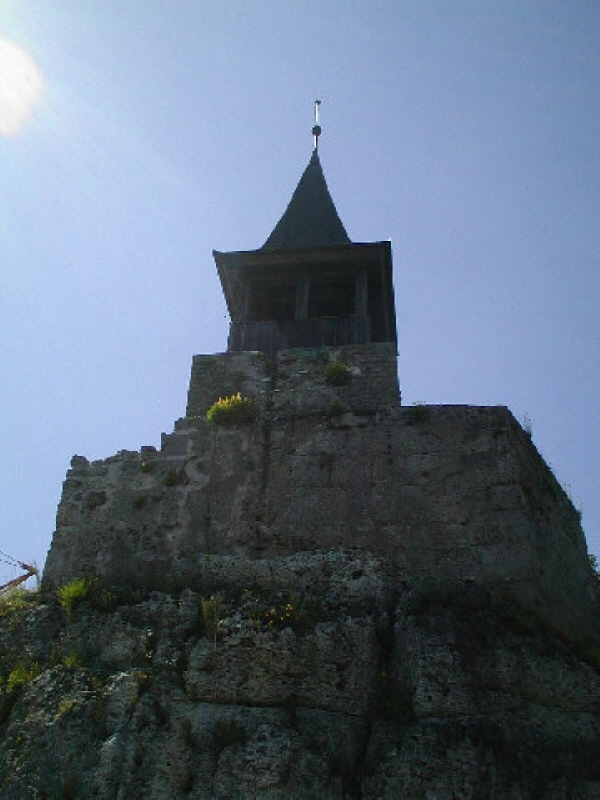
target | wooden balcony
x=270, y=336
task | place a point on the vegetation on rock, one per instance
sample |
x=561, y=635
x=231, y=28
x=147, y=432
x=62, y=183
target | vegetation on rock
x=20, y=675
x=338, y=374
x=72, y=593
x=305, y=659
x=14, y=600
x=232, y=410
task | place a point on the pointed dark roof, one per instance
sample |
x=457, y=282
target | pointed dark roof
x=311, y=219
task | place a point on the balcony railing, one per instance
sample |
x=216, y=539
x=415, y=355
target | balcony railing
x=270, y=336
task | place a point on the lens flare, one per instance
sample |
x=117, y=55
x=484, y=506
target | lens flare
x=20, y=87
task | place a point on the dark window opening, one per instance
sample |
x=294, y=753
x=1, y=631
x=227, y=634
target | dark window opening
x=332, y=297
x=272, y=303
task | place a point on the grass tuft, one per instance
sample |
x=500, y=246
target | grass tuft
x=72, y=593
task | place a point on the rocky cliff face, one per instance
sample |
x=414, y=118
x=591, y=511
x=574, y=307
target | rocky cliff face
x=339, y=598
x=312, y=675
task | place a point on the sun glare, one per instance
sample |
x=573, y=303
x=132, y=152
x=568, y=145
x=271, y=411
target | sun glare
x=20, y=87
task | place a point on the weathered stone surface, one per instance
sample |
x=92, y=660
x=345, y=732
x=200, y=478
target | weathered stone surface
x=442, y=493
x=332, y=668
x=429, y=696
x=341, y=598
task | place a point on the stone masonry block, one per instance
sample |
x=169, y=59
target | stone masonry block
x=215, y=376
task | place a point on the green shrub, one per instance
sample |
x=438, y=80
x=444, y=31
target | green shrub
x=20, y=675
x=12, y=601
x=338, y=374
x=72, y=593
x=232, y=410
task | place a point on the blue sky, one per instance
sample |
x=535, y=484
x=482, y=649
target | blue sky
x=467, y=132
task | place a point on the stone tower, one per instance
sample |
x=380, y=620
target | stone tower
x=442, y=493
x=333, y=597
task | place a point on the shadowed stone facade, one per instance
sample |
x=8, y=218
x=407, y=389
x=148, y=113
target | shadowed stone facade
x=443, y=495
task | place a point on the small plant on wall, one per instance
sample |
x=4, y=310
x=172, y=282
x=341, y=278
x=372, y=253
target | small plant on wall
x=337, y=374
x=72, y=593
x=20, y=675
x=232, y=410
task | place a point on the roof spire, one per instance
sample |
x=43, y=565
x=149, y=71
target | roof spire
x=316, y=131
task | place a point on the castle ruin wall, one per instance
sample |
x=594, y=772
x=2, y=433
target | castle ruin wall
x=438, y=495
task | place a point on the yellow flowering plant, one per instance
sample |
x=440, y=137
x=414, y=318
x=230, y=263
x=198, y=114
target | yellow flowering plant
x=232, y=410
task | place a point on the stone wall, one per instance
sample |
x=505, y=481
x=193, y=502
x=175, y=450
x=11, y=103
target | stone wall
x=442, y=495
x=295, y=383
x=352, y=692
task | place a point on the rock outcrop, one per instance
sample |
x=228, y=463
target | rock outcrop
x=316, y=677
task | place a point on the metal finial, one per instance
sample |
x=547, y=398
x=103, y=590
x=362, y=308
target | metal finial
x=316, y=131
